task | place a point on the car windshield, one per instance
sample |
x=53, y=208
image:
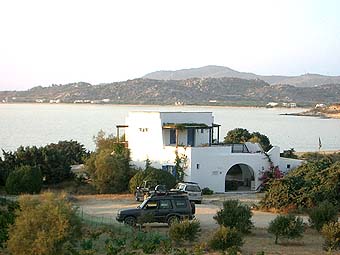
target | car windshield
x=193, y=188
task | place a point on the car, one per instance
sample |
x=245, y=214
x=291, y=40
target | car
x=192, y=189
x=160, y=207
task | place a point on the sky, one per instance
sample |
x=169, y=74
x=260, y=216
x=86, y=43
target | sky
x=45, y=42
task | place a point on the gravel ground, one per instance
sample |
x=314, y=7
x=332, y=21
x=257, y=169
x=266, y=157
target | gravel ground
x=107, y=206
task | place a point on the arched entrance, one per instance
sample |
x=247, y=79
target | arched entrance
x=239, y=178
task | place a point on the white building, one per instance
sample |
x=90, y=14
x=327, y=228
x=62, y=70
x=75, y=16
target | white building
x=194, y=135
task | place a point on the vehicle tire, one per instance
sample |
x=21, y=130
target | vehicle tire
x=193, y=207
x=172, y=219
x=130, y=220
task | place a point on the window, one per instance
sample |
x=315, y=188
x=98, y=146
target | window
x=172, y=136
x=239, y=148
x=193, y=188
x=288, y=166
x=151, y=205
x=202, y=130
x=143, y=129
x=169, y=168
x=180, y=203
x=165, y=204
x=197, y=166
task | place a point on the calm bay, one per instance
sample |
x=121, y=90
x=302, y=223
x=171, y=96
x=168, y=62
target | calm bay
x=40, y=124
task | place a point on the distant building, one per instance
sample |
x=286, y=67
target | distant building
x=57, y=101
x=272, y=104
x=320, y=106
x=195, y=137
x=289, y=105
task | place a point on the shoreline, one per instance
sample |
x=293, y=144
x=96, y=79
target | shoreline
x=159, y=105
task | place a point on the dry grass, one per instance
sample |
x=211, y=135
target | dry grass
x=105, y=197
x=260, y=240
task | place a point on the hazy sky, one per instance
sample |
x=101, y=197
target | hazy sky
x=63, y=41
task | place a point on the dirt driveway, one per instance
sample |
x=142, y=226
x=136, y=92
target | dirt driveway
x=108, y=205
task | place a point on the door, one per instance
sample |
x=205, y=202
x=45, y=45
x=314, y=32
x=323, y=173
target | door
x=191, y=137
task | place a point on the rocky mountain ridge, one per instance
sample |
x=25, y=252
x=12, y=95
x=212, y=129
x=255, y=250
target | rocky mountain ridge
x=198, y=91
x=305, y=80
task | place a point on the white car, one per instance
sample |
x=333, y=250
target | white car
x=192, y=189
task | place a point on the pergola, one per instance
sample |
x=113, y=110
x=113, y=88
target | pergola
x=182, y=126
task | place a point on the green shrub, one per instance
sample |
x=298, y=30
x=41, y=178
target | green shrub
x=331, y=234
x=45, y=225
x=25, y=179
x=235, y=215
x=185, y=230
x=286, y=226
x=7, y=217
x=226, y=238
x=152, y=175
x=324, y=213
x=304, y=187
x=207, y=191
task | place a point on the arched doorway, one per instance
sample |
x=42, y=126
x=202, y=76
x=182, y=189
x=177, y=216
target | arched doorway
x=239, y=177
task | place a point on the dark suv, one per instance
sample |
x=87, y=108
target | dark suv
x=165, y=208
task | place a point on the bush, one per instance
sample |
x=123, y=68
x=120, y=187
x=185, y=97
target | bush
x=324, y=213
x=25, y=179
x=235, y=215
x=7, y=217
x=152, y=175
x=185, y=230
x=331, y=234
x=44, y=226
x=207, y=191
x=305, y=187
x=226, y=238
x=286, y=226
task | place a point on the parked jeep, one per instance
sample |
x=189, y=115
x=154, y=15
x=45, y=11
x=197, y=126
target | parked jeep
x=160, y=207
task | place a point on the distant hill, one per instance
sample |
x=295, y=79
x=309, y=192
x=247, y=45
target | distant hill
x=306, y=80
x=198, y=91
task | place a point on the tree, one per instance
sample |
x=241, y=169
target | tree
x=109, y=166
x=235, y=215
x=226, y=238
x=54, y=160
x=181, y=161
x=241, y=135
x=322, y=214
x=44, y=226
x=237, y=135
x=152, y=175
x=111, y=174
x=7, y=217
x=24, y=179
x=6, y=166
x=104, y=142
x=263, y=140
x=286, y=226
